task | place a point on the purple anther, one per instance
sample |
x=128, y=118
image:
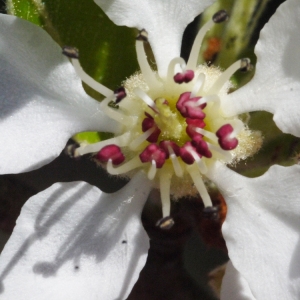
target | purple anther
x=112, y=152
x=192, y=125
x=226, y=141
x=120, y=94
x=147, y=124
x=188, y=106
x=165, y=146
x=201, y=146
x=153, y=152
x=185, y=153
x=185, y=76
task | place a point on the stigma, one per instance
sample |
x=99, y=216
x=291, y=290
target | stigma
x=171, y=127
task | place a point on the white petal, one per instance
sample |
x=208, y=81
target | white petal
x=74, y=242
x=164, y=21
x=234, y=286
x=262, y=229
x=276, y=84
x=42, y=102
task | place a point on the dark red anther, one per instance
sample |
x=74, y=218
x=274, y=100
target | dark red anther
x=112, y=152
x=225, y=140
x=165, y=146
x=147, y=124
x=120, y=94
x=201, y=146
x=192, y=125
x=153, y=152
x=185, y=76
x=188, y=108
x=185, y=153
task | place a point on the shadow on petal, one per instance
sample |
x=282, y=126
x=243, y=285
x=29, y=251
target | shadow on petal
x=78, y=229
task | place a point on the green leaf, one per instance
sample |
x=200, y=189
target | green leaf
x=91, y=137
x=107, y=51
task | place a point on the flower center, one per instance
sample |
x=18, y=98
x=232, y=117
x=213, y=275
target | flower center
x=172, y=127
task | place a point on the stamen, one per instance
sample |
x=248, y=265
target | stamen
x=165, y=223
x=227, y=140
x=152, y=170
x=128, y=166
x=173, y=151
x=187, y=107
x=185, y=76
x=220, y=16
x=91, y=82
x=146, y=70
x=199, y=162
x=219, y=152
x=112, y=152
x=226, y=75
x=150, y=123
x=197, y=179
x=117, y=115
x=246, y=65
x=143, y=96
x=153, y=152
x=210, y=212
x=70, y=52
x=237, y=126
x=169, y=147
x=176, y=165
x=120, y=94
x=199, y=83
x=142, y=36
x=207, y=134
x=179, y=74
x=206, y=99
x=164, y=184
x=193, y=58
x=140, y=139
x=192, y=125
x=201, y=146
x=172, y=66
x=120, y=141
x=189, y=155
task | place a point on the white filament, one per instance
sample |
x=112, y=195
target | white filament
x=90, y=81
x=197, y=179
x=222, y=154
x=141, y=138
x=120, y=141
x=130, y=165
x=193, y=59
x=224, y=77
x=173, y=67
x=143, y=96
x=115, y=114
x=207, y=134
x=198, y=85
x=201, y=165
x=164, y=184
x=206, y=99
x=152, y=170
x=146, y=70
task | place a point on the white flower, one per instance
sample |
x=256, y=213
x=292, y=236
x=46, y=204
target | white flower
x=74, y=240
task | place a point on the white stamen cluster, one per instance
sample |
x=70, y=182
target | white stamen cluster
x=171, y=127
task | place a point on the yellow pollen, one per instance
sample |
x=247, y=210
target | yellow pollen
x=170, y=122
